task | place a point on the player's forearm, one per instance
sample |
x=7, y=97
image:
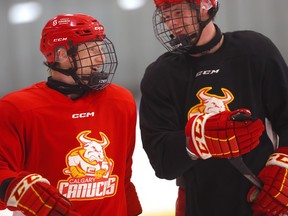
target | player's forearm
x=167, y=154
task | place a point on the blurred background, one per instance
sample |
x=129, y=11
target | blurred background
x=128, y=23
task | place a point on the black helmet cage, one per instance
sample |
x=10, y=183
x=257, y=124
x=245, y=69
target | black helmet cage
x=102, y=72
x=183, y=42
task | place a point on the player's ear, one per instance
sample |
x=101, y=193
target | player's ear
x=61, y=55
x=206, y=4
x=204, y=8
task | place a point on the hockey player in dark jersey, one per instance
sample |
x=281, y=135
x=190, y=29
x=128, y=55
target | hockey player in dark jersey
x=66, y=144
x=192, y=98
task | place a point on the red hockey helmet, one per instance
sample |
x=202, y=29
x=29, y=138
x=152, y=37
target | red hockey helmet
x=78, y=28
x=78, y=33
x=159, y=3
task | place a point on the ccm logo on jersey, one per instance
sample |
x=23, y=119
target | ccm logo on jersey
x=82, y=115
x=207, y=72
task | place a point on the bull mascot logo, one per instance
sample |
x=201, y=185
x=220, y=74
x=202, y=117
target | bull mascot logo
x=89, y=170
x=90, y=158
x=211, y=103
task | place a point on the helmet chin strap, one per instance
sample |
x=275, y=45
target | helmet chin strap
x=71, y=71
x=191, y=48
x=68, y=72
x=65, y=88
x=208, y=46
x=182, y=39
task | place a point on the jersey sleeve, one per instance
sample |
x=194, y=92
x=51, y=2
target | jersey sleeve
x=162, y=131
x=275, y=94
x=12, y=158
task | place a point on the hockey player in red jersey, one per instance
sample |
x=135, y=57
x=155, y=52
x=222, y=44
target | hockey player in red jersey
x=66, y=145
x=207, y=101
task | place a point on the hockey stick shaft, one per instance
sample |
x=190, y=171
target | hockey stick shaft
x=239, y=164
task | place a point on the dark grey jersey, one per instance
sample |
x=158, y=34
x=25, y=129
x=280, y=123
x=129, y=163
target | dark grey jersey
x=249, y=72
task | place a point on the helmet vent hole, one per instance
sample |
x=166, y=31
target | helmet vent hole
x=84, y=32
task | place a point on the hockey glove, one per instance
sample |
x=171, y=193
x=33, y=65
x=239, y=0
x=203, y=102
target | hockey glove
x=33, y=195
x=223, y=135
x=273, y=198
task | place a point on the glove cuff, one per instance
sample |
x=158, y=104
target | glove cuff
x=198, y=135
x=282, y=150
x=18, y=188
x=278, y=159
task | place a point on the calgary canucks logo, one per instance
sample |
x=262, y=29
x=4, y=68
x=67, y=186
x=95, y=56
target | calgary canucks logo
x=89, y=170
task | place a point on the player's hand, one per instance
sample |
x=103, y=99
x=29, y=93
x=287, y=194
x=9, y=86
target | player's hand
x=33, y=195
x=273, y=198
x=223, y=135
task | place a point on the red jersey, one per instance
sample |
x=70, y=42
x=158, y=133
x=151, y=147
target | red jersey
x=83, y=147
